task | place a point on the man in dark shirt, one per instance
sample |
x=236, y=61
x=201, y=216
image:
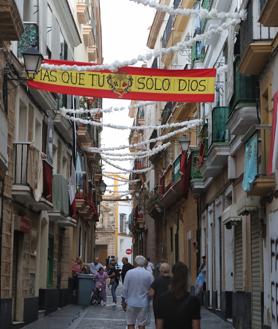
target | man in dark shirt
x=126, y=267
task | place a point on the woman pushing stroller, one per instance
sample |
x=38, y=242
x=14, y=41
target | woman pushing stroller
x=99, y=294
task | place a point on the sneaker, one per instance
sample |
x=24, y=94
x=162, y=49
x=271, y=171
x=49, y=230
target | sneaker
x=103, y=303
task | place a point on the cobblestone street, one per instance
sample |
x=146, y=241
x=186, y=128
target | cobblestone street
x=110, y=316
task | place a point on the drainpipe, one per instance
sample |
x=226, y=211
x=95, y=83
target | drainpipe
x=1, y=227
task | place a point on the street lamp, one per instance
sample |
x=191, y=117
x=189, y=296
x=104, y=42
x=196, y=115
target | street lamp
x=184, y=143
x=102, y=187
x=32, y=63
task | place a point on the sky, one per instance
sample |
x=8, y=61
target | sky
x=125, y=29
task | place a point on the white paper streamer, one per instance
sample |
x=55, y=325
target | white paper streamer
x=134, y=171
x=113, y=126
x=147, y=142
x=203, y=13
x=131, y=181
x=180, y=46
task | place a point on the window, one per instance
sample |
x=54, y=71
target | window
x=23, y=124
x=122, y=223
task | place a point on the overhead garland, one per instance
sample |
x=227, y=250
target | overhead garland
x=147, y=142
x=128, y=181
x=202, y=12
x=180, y=46
x=111, y=125
x=108, y=110
x=136, y=154
x=134, y=171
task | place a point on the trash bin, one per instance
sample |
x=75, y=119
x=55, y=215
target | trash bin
x=86, y=285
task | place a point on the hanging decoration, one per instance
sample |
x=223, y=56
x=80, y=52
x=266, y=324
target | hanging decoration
x=135, y=155
x=146, y=142
x=202, y=12
x=111, y=125
x=52, y=66
x=108, y=110
x=136, y=83
x=134, y=171
x=129, y=181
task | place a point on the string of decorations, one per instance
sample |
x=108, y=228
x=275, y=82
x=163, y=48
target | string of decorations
x=96, y=110
x=113, y=185
x=180, y=46
x=134, y=171
x=136, y=155
x=146, y=142
x=120, y=192
x=202, y=12
x=113, y=126
x=129, y=181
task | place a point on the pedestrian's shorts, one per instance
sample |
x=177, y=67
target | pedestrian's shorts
x=137, y=315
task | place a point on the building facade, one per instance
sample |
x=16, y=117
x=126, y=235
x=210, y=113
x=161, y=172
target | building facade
x=43, y=226
x=218, y=198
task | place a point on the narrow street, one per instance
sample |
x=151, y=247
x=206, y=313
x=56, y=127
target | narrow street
x=110, y=316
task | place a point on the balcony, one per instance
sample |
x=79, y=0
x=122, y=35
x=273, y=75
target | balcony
x=255, y=42
x=218, y=143
x=167, y=32
x=88, y=35
x=167, y=111
x=60, y=212
x=11, y=25
x=82, y=11
x=198, y=52
x=230, y=216
x=63, y=126
x=256, y=181
x=29, y=38
x=175, y=181
x=243, y=108
x=269, y=10
x=31, y=188
x=92, y=54
x=83, y=135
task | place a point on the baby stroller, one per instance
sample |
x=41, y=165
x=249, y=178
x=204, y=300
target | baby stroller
x=96, y=296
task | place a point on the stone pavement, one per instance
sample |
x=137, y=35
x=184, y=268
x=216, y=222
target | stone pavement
x=108, y=317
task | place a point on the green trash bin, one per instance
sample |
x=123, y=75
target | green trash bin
x=86, y=284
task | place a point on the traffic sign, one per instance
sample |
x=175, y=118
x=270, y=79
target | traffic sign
x=128, y=251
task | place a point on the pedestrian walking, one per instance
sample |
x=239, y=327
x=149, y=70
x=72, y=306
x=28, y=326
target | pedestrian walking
x=101, y=278
x=135, y=295
x=95, y=266
x=177, y=309
x=114, y=275
x=126, y=267
x=160, y=286
x=76, y=269
x=149, y=265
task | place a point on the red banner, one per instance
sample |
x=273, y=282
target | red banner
x=134, y=83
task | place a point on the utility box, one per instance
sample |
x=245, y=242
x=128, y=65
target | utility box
x=86, y=284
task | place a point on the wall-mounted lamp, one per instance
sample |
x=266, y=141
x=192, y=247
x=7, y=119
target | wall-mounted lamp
x=184, y=143
x=32, y=63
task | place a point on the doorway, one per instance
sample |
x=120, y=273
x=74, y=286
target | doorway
x=17, y=300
